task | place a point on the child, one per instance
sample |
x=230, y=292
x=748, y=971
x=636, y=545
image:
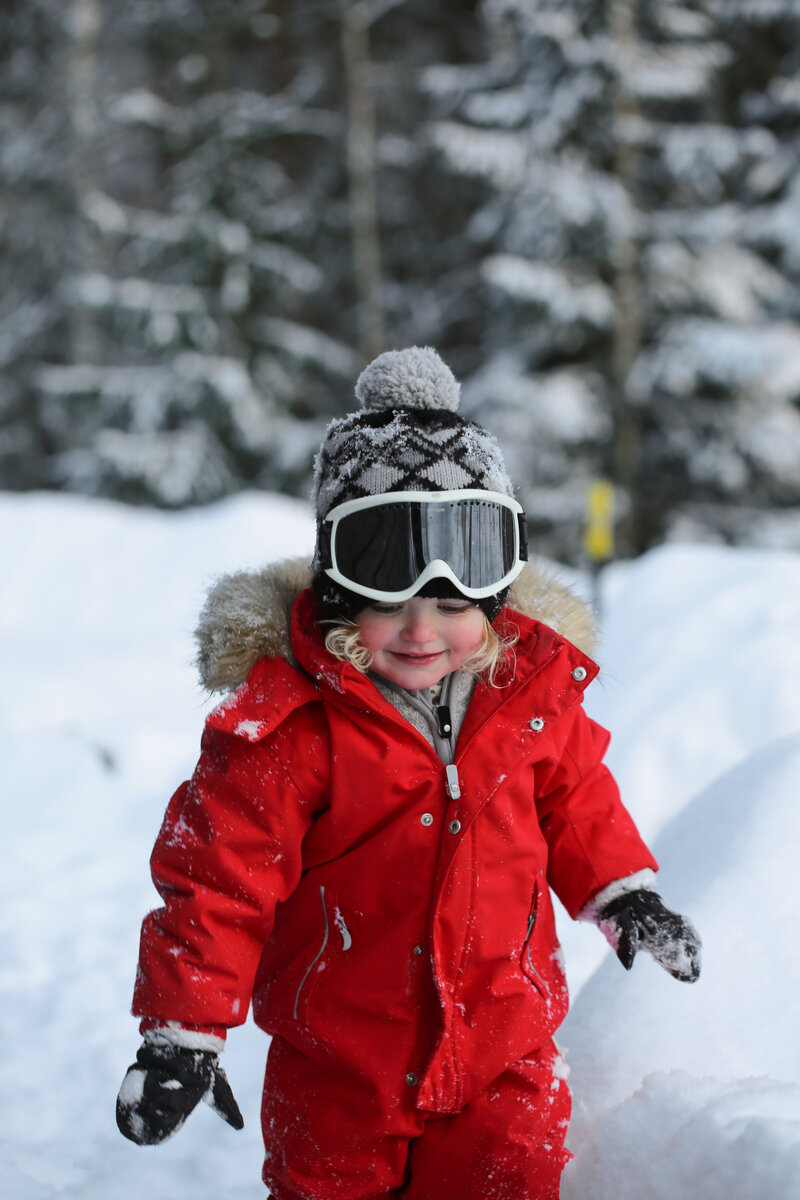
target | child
x=367, y=846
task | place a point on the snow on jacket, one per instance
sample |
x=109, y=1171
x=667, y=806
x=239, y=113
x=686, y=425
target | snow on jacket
x=317, y=865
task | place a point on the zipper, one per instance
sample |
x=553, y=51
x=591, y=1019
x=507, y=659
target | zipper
x=394, y=717
x=390, y=713
x=347, y=942
x=532, y=918
x=534, y=975
x=453, y=784
x=318, y=955
x=452, y=779
x=444, y=720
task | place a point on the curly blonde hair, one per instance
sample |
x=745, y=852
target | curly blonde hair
x=344, y=642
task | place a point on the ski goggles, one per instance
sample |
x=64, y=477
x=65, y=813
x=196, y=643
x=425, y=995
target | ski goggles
x=387, y=547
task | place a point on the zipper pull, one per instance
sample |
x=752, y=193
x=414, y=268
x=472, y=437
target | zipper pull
x=453, y=786
x=347, y=940
x=445, y=722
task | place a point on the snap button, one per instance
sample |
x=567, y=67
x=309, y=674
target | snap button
x=537, y=723
x=454, y=826
x=418, y=950
x=411, y=1079
x=426, y=819
x=579, y=674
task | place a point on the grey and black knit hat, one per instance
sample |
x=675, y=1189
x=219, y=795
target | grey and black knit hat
x=408, y=437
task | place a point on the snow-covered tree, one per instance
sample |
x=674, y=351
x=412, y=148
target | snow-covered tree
x=212, y=213
x=718, y=376
x=36, y=211
x=207, y=266
x=634, y=257
x=530, y=129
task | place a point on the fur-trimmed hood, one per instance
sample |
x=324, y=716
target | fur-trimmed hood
x=246, y=617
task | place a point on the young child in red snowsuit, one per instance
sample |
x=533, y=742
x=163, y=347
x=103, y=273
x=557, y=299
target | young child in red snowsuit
x=367, y=846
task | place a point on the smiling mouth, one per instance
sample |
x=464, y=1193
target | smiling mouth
x=419, y=660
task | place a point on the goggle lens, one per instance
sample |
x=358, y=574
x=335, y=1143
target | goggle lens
x=388, y=546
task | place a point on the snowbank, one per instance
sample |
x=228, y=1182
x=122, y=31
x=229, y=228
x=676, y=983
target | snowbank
x=695, y=1090
x=680, y=1136
x=701, y=666
x=679, y=1091
x=675, y=1084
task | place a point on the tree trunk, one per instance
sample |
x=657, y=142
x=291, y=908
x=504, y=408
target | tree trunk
x=626, y=448
x=87, y=342
x=361, y=166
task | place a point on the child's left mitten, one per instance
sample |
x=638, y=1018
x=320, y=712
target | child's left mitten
x=639, y=920
x=164, y=1085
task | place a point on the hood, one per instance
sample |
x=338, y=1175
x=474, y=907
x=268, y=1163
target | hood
x=246, y=617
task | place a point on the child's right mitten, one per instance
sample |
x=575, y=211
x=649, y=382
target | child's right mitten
x=163, y=1087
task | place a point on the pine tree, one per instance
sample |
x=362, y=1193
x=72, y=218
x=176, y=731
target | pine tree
x=717, y=379
x=213, y=213
x=37, y=207
x=635, y=258
x=207, y=265
x=532, y=129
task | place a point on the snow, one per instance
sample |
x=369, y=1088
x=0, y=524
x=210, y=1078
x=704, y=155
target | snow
x=307, y=345
x=101, y=291
x=695, y=353
x=551, y=289
x=488, y=154
x=728, y=281
x=678, y=1090
x=142, y=107
x=673, y=72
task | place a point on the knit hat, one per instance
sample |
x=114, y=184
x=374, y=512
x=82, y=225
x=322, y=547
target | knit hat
x=407, y=438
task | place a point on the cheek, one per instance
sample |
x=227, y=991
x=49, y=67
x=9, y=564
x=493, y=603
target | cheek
x=468, y=638
x=374, y=634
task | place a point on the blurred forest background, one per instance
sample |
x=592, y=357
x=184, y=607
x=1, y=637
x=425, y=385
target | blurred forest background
x=213, y=212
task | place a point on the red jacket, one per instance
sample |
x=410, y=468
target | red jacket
x=316, y=864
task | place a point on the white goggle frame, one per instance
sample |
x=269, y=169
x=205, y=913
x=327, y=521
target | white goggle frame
x=438, y=568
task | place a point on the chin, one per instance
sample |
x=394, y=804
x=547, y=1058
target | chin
x=409, y=676
x=418, y=681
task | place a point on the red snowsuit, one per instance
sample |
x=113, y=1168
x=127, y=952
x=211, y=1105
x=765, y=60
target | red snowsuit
x=399, y=944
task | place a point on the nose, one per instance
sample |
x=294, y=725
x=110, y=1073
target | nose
x=419, y=627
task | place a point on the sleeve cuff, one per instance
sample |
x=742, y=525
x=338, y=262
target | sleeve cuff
x=172, y=1033
x=630, y=883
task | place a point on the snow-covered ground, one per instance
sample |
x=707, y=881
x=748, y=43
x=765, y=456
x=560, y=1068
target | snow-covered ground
x=679, y=1091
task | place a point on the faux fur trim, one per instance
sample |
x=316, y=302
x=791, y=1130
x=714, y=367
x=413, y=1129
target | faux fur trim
x=539, y=594
x=246, y=617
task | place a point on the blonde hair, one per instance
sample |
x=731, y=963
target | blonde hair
x=343, y=641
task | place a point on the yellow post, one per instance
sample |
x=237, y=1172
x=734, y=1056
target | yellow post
x=598, y=538
x=598, y=534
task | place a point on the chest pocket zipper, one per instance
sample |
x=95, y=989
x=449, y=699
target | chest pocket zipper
x=347, y=942
x=527, y=963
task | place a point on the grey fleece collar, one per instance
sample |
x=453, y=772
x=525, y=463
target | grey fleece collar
x=418, y=708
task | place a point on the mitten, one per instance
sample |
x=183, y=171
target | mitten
x=639, y=920
x=164, y=1085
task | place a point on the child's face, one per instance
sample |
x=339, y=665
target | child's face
x=416, y=642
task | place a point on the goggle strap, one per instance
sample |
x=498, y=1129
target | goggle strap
x=324, y=545
x=522, y=522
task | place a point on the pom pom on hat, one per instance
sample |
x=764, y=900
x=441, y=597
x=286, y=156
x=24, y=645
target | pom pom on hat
x=406, y=437
x=412, y=378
